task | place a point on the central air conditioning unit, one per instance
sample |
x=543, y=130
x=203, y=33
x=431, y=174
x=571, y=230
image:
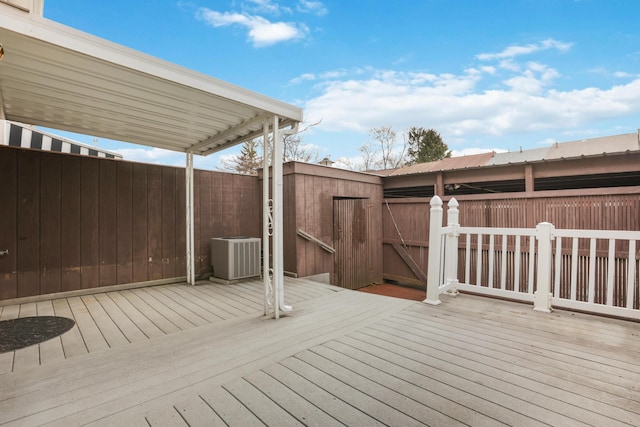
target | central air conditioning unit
x=235, y=257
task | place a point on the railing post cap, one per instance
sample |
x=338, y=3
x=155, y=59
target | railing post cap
x=544, y=225
x=436, y=201
x=453, y=203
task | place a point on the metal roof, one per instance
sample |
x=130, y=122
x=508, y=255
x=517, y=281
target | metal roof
x=593, y=147
x=449, y=163
x=58, y=77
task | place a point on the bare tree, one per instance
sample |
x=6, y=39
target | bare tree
x=250, y=158
x=295, y=150
x=368, y=156
x=385, y=139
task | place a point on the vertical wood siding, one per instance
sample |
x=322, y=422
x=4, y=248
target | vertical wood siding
x=351, y=233
x=309, y=193
x=75, y=222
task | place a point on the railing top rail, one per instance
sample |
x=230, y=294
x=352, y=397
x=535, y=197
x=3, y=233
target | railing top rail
x=498, y=231
x=585, y=234
x=598, y=234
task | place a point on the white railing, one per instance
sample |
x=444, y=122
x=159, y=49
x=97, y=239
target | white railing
x=589, y=270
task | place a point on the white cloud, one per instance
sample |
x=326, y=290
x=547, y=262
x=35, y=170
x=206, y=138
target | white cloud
x=302, y=78
x=622, y=74
x=264, y=6
x=261, y=31
x=515, y=50
x=152, y=155
x=470, y=104
x=309, y=6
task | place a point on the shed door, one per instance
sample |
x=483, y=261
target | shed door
x=351, y=239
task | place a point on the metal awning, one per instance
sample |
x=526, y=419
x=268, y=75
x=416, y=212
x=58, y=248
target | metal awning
x=58, y=77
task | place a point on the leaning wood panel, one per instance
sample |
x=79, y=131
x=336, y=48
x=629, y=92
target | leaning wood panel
x=139, y=223
x=107, y=223
x=70, y=223
x=124, y=222
x=50, y=216
x=28, y=223
x=8, y=223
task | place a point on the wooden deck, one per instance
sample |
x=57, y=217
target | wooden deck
x=204, y=355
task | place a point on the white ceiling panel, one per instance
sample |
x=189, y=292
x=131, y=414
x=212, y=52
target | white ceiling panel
x=59, y=77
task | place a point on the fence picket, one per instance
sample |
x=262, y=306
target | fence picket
x=518, y=263
x=479, y=261
x=611, y=266
x=574, y=268
x=467, y=259
x=491, y=260
x=503, y=268
x=631, y=275
x=592, y=271
x=558, y=267
x=532, y=263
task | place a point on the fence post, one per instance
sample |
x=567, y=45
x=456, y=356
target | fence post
x=542, y=295
x=433, y=267
x=451, y=248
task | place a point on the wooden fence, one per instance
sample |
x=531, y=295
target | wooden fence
x=405, y=223
x=74, y=222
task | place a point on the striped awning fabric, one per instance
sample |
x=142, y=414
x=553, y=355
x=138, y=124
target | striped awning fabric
x=18, y=135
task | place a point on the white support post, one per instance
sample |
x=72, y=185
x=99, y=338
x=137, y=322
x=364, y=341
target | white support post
x=433, y=268
x=267, y=223
x=451, y=248
x=278, y=222
x=542, y=295
x=190, y=237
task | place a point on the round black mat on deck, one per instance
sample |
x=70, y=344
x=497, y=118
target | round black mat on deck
x=25, y=331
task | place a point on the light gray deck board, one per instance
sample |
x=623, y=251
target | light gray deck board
x=341, y=357
x=196, y=304
x=230, y=409
x=146, y=326
x=196, y=412
x=265, y=409
x=73, y=343
x=291, y=402
x=321, y=398
x=544, y=378
x=379, y=390
x=156, y=317
x=50, y=350
x=186, y=318
x=402, y=382
x=527, y=362
x=95, y=338
x=122, y=321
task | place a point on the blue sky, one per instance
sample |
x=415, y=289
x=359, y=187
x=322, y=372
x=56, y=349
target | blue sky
x=493, y=74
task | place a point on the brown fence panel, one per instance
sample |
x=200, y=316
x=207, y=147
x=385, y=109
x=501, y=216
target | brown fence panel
x=8, y=224
x=406, y=221
x=71, y=222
